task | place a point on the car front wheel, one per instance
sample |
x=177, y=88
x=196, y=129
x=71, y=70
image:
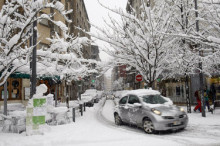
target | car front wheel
x=148, y=126
x=118, y=120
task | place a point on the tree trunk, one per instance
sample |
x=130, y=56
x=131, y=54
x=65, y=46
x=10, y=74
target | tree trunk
x=56, y=95
x=188, y=102
x=5, y=98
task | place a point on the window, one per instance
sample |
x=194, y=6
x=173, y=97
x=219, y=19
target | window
x=153, y=99
x=133, y=99
x=3, y=92
x=69, y=16
x=148, y=3
x=123, y=100
x=178, y=90
x=57, y=29
x=44, y=21
x=13, y=89
x=43, y=46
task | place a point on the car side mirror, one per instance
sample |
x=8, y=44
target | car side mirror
x=137, y=105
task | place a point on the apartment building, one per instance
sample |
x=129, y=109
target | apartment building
x=18, y=87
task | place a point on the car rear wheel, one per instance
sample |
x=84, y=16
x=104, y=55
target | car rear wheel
x=148, y=126
x=118, y=120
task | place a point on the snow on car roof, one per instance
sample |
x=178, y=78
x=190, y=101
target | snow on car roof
x=140, y=92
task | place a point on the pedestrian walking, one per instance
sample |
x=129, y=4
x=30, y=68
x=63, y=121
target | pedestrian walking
x=213, y=93
x=206, y=97
x=198, y=106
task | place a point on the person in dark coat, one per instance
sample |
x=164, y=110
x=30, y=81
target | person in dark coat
x=198, y=106
x=206, y=97
x=213, y=93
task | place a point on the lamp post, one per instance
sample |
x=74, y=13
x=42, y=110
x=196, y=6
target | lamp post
x=33, y=65
x=200, y=64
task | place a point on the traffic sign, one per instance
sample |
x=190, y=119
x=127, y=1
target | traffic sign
x=139, y=78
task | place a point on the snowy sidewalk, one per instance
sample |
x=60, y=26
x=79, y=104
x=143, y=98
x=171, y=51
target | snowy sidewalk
x=96, y=128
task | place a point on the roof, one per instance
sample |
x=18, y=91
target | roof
x=141, y=92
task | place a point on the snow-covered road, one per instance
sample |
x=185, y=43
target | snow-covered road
x=200, y=131
x=96, y=128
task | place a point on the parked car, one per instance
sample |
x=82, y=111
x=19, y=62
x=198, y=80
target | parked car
x=93, y=93
x=89, y=101
x=90, y=97
x=148, y=109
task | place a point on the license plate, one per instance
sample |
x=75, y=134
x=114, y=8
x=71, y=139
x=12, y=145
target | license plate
x=176, y=123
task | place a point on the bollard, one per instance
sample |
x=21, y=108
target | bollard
x=81, y=109
x=74, y=114
x=84, y=105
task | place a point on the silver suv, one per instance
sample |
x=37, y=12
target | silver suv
x=146, y=108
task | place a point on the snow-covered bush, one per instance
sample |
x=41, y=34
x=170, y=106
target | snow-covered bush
x=117, y=84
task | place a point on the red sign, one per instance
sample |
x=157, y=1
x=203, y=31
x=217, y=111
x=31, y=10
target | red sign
x=139, y=78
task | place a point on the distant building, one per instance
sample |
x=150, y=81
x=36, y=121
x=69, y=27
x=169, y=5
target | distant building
x=107, y=83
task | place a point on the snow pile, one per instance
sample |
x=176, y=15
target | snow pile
x=119, y=94
x=140, y=92
x=59, y=115
x=14, y=106
x=14, y=122
x=100, y=94
x=86, y=97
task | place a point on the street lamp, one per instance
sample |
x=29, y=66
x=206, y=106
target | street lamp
x=33, y=70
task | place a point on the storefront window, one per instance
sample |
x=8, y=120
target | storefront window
x=13, y=89
x=3, y=94
x=215, y=82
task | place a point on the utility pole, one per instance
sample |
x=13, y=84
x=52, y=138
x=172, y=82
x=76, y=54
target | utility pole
x=33, y=70
x=200, y=64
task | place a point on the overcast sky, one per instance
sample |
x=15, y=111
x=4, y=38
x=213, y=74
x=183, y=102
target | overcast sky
x=97, y=13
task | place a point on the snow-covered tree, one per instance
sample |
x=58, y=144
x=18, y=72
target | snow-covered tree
x=139, y=41
x=197, y=44
x=65, y=58
x=162, y=40
x=16, y=24
x=117, y=84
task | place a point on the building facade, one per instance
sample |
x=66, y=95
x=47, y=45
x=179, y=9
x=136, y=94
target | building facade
x=19, y=87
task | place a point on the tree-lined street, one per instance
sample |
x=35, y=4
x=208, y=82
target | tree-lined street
x=172, y=46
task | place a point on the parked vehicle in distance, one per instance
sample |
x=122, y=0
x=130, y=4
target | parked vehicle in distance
x=90, y=97
x=146, y=108
x=89, y=101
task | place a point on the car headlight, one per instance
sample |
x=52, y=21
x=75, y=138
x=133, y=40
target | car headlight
x=181, y=109
x=157, y=112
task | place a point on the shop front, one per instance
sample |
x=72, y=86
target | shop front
x=214, y=82
x=14, y=89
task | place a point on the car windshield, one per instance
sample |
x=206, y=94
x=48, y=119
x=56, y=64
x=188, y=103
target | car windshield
x=153, y=99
